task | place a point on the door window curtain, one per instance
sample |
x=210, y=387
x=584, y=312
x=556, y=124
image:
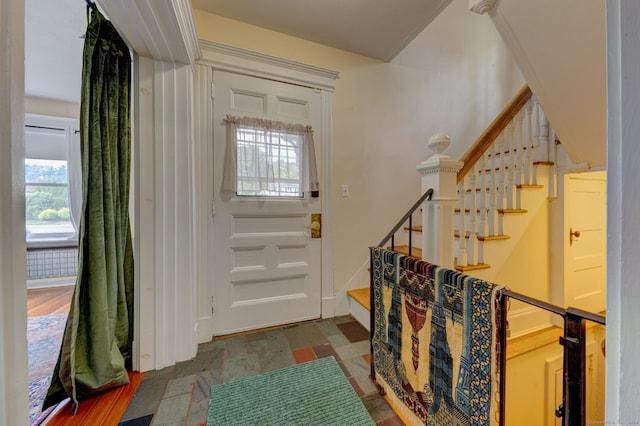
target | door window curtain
x=263, y=165
x=96, y=347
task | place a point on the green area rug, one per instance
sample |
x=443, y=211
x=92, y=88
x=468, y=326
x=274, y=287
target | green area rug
x=313, y=393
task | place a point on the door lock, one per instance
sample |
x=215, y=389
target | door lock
x=573, y=234
x=316, y=225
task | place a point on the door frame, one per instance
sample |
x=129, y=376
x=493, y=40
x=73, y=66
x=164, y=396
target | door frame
x=217, y=56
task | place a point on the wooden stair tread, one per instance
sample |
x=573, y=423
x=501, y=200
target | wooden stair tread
x=493, y=237
x=415, y=251
x=414, y=228
x=456, y=234
x=362, y=296
x=500, y=211
x=468, y=268
x=528, y=186
x=520, y=345
x=512, y=211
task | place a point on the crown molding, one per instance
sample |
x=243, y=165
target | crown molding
x=229, y=58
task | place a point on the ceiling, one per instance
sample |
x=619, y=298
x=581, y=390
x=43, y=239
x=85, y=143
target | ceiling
x=53, y=48
x=376, y=28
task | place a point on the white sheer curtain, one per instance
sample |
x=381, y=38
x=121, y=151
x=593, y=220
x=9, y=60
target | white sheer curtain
x=266, y=169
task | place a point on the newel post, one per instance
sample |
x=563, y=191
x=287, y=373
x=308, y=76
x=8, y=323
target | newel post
x=440, y=173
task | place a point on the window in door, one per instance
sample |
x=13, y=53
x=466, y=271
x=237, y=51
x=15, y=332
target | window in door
x=269, y=159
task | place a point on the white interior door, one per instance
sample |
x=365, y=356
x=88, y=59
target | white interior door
x=267, y=267
x=586, y=240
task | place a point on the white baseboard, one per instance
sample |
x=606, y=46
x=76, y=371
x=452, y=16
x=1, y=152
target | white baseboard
x=328, y=307
x=359, y=280
x=51, y=282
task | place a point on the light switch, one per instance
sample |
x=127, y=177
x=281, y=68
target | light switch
x=345, y=190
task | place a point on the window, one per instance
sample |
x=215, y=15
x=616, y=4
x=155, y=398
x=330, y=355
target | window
x=268, y=162
x=269, y=159
x=48, y=212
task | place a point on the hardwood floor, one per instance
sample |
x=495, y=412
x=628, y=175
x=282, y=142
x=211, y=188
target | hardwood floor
x=50, y=300
x=104, y=409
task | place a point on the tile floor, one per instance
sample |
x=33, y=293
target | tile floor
x=179, y=395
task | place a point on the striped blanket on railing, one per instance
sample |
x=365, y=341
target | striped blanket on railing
x=435, y=341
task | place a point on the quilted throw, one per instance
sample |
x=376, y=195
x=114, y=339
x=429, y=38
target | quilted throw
x=435, y=341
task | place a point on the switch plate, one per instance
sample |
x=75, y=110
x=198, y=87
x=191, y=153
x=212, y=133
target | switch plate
x=345, y=190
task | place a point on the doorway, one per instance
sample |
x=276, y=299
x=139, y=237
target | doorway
x=240, y=252
x=585, y=245
x=267, y=267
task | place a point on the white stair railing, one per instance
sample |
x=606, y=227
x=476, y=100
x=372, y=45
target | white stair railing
x=493, y=185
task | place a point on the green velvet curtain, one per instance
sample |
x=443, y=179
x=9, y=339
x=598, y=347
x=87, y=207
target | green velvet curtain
x=96, y=347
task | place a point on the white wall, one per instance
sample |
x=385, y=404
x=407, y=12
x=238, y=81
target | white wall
x=51, y=107
x=454, y=77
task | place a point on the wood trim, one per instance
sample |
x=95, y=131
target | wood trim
x=495, y=128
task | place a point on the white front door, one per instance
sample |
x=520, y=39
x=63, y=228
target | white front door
x=586, y=240
x=267, y=268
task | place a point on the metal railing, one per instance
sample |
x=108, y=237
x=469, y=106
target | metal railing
x=573, y=407
x=408, y=216
x=391, y=236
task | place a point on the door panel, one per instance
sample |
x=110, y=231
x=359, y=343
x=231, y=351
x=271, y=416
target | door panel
x=585, y=210
x=267, y=266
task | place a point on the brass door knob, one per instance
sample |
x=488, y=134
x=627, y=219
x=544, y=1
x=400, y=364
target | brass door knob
x=573, y=234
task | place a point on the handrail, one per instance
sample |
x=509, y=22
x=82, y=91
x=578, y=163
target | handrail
x=428, y=194
x=485, y=140
x=590, y=316
x=573, y=405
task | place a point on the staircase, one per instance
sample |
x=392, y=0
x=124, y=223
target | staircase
x=506, y=177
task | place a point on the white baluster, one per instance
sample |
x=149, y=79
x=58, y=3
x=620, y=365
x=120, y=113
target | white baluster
x=462, y=255
x=527, y=143
x=519, y=169
x=511, y=175
x=457, y=225
x=483, y=228
x=485, y=194
x=543, y=135
x=502, y=178
x=493, y=188
x=472, y=244
x=553, y=152
x=535, y=139
x=549, y=149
